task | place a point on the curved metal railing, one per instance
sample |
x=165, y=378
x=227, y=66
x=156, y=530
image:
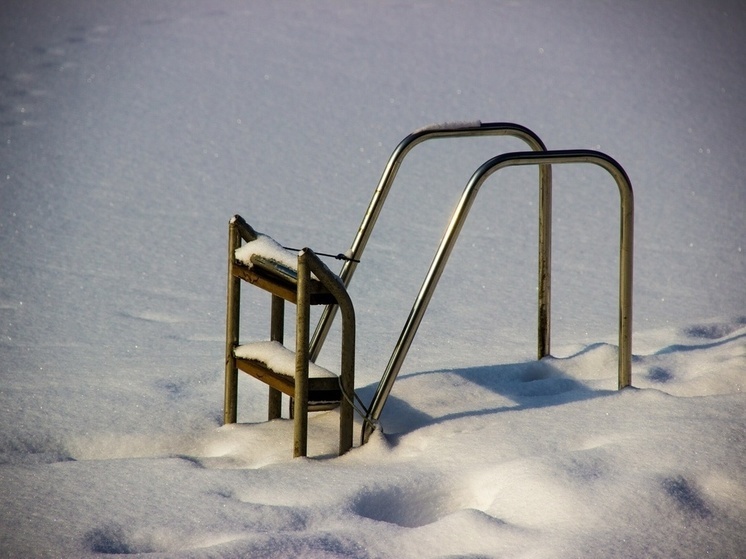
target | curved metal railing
x=449, y=240
x=454, y=130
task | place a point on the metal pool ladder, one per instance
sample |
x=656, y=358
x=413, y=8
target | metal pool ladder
x=543, y=159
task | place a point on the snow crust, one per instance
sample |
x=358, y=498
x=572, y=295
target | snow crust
x=131, y=132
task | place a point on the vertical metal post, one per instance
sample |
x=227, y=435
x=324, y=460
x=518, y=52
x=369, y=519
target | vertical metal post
x=347, y=380
x=347, y=373
x=544, y=318
x=277, y=333
x=627, y=220
x=300, y=440
x=231, y=329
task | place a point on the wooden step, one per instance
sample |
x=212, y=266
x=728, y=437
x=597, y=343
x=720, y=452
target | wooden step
x=279, y=279
x=274, y=364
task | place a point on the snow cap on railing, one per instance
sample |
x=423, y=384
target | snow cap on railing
x=450, y=126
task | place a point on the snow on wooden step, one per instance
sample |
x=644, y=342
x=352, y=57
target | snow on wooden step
x=266, y=246
x=277, y=357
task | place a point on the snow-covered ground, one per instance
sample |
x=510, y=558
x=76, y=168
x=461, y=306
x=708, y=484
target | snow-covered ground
x=130, y=132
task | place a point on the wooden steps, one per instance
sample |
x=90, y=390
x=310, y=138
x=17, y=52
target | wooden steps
x=302, y=279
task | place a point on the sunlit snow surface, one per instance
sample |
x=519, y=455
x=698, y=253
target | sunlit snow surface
x=130, y=133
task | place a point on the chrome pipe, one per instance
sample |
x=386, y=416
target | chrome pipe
x=302, y=328
x=347, y=366
x=233, y=307
x=454, y=130
x=449, y=240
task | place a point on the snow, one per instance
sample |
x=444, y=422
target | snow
x=278, y=358
x=450, y=125
x=267, y=247
x=130, y=133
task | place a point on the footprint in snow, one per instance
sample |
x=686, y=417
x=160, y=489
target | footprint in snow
x=112, y=539
x=686, y=496
x=660, y=375
x=716, y=330
x=409, y=507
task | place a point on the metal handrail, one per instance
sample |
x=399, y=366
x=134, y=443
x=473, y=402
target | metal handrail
x=454, y=130
x=309, y=263
x=449, y=239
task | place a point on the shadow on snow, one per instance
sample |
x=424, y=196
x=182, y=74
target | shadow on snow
x=518, y=386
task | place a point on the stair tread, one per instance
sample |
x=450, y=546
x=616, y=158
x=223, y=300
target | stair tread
x=268, y=248
x=278, y=358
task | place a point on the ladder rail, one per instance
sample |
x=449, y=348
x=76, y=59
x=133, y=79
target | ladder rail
x=347, y=365
x=454, y=228
x=454, y=130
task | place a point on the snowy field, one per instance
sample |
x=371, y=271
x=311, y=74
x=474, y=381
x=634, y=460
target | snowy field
x=130, y=132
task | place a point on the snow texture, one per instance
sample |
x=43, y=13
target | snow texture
x=130, y=133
